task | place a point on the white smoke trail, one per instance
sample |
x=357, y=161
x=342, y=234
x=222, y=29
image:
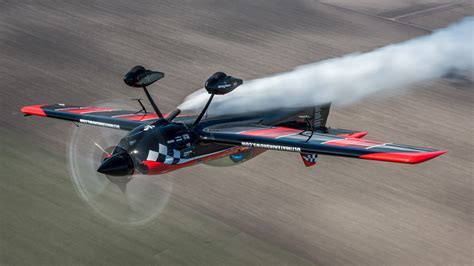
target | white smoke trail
x=349, y=78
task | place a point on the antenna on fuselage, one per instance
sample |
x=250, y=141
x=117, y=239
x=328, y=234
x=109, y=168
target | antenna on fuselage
x=218, y=84
x=138, y=76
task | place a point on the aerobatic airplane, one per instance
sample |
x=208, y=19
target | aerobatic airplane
x=157, y=143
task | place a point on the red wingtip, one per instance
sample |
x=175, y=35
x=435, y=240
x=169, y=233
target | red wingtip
x=403, y=157
x=33, y=110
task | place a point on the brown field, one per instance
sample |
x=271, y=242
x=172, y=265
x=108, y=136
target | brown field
x=269, y=211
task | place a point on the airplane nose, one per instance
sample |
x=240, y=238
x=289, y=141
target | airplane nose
x=120, y=164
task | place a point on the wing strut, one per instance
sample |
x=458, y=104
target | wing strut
x=155, y=108
x=198, y=119
x=138, y=76
x=219, y=83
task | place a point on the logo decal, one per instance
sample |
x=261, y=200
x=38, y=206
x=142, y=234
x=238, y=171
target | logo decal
x=96, y=123
x=270, y=146
x=148, y=127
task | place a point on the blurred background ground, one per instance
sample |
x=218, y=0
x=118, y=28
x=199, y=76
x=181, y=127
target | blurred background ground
x=269, y=211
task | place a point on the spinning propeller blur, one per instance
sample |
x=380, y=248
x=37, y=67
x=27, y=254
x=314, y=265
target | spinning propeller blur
x=127, y=200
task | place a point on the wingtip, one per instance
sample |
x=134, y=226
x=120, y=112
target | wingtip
x=403, y=157
x=33, y=110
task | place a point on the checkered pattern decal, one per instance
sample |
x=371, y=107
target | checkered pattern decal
x=164, y=154
x=309, y=157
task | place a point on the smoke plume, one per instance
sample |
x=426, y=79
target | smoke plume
x=347, y=79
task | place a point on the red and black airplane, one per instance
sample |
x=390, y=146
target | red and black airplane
x=158, y=143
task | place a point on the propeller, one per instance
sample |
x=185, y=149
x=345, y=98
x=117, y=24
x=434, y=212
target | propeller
x=113, y=192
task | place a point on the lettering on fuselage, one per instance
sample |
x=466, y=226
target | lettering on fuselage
x=148, y=127
x=96, y=123
x=270, y=146
x=182, y=137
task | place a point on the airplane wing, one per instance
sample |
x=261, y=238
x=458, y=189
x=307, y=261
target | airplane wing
x=97, y=116
x=307, y=142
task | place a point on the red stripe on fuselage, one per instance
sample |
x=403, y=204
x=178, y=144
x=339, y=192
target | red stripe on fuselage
x=155, y=168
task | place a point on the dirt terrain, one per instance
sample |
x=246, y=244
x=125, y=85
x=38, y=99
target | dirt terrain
x=269, y=211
